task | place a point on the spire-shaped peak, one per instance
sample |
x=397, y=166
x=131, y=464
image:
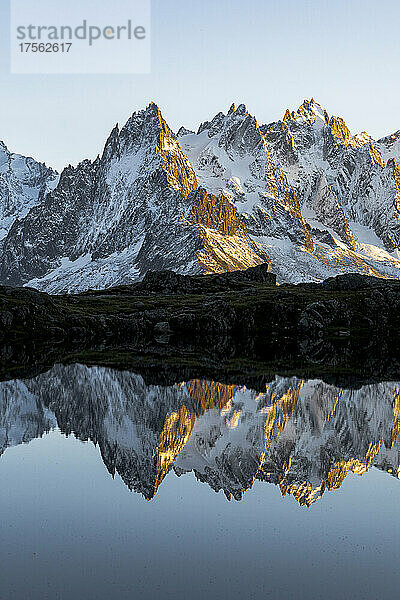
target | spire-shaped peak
x=152, y=108
x=111, y=148
x=184, y=131
x=242, y=110
x=340, y=131
x=3, y=148
x=218, y=123
x=213, y=125
x=309, y=111
x=145, y=126
x=310, y=105
x=151, y=113
x=4, y=154
x=115, y=130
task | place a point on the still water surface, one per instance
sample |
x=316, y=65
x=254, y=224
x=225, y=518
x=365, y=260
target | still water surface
x=113, y=488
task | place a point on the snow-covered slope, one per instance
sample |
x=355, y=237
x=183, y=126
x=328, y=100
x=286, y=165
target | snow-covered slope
x=302, y=194
x=304, y=436
x=23, y=184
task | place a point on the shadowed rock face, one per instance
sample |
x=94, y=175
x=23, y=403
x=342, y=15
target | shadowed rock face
x=304, y=436
x=24, y=184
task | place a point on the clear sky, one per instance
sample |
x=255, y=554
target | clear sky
x=269, y=54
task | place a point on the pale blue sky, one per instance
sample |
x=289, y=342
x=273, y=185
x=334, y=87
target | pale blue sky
x=268, y=54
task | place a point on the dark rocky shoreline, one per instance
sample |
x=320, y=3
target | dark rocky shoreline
x=234, y=324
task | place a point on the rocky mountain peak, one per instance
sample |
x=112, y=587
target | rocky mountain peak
x=3, y=148
x=342, y=133
x=308, y=112
x=111, y=148
x=183, y=131
x=24, y=183
x=389, y=146
x=362, y=138
x=237, y=132
x=242, y=110
x=240, y=133
x=145, y=126
x=212, y=126
x=146, y=139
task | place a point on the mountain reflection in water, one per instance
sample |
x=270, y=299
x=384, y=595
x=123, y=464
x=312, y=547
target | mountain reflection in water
x=304, y=436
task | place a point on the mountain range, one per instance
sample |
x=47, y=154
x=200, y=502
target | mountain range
x=304, y=436
x=301, y=194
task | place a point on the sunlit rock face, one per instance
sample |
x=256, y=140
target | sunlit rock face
x=302, y=194
x=302, y=436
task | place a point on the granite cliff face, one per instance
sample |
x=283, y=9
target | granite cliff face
x=301, y=194
x=303, y=436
